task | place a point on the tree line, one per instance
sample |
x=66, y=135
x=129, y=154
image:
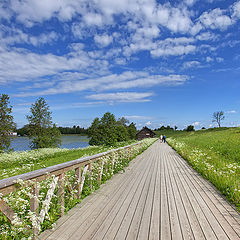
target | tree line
x=24, y=131
x=44, y=133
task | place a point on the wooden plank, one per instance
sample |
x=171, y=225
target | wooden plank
x=78, y=181
x=182, y=213
x=165, y=226
x=65, y=231
x=198, y=207
x=154, y=233
x=110, y=225
x=226, y=230
x=143, y=232
x=34, y=207
x=105, y=218
x=99, y=218
x=7, y=211
x=176, y=230
x=167, y=202
x=186, y=201
x=133, y=228
x=61, y=192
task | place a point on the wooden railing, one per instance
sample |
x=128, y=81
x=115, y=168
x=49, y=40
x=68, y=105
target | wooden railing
x=82, y=168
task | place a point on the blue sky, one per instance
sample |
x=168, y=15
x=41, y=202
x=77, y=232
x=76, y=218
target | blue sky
x=153, y=62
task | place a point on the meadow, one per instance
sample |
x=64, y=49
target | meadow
x=19, y=201
x=16, y=163
x=215, y=154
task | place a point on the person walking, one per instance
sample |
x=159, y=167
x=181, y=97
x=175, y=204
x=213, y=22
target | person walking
x=161, y=138
x=164, y=138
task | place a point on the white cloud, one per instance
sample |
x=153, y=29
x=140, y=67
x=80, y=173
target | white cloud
x=125, y=80
x=215, y=19
x=137, y=117
x=122, y=97
x=219, y=59
x=93, y=19
x=231, y=111
x=236, y=10
x=196, y=124
x=209, y=59
x=173, y=46
x=22, y=65
x=191, y=64
x=103, y=40
x=148, y=123
x=206, y=36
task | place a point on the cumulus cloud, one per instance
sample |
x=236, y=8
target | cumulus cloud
x=191, y=64
x=236, y=10
x=103, y=40
x=174, y=47
x=215, y=19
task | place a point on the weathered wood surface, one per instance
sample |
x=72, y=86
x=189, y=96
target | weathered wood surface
x=159, y=196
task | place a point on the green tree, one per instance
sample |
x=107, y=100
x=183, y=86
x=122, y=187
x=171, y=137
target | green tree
x=132, y=131
x=190, y=128
x=6, y=123
x=41, y=129
x=107, y=131
x=218, y=117
x=123, y=121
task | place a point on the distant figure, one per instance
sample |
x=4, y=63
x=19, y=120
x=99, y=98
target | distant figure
x=164, y=138
x=161, y=138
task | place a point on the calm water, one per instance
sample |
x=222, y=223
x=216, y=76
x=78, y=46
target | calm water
x=68, y=141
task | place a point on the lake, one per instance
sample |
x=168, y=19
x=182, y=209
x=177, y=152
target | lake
x=68, y=141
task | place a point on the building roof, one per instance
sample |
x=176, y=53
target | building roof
x=148, y=129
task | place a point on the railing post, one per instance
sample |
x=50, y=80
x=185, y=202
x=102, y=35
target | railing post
x=99, y=177
x=61, y=192
x=90, y=174
x=34, y=207
x=78, y=179
x=112, y=161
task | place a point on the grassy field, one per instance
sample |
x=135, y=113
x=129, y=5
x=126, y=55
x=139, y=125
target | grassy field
x=21, y=162
x=215, y=153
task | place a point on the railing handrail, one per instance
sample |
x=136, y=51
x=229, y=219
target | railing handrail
x=43, y=173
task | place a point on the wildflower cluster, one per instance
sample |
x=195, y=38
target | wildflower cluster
x=49, y=209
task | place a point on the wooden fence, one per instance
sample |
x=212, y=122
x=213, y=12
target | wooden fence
x=82, y=167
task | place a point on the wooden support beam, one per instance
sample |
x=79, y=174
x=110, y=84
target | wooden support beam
x=112, y=161
x=61, y=192
x=99, y=177
x=34, y=207
x=90, y=174
x=78, y=180
x=7, y=211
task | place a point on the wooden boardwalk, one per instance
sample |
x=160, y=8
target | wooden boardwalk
x=158, y=197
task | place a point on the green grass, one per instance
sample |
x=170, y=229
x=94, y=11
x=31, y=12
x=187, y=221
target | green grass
x=215, y=153
x=16, y=163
